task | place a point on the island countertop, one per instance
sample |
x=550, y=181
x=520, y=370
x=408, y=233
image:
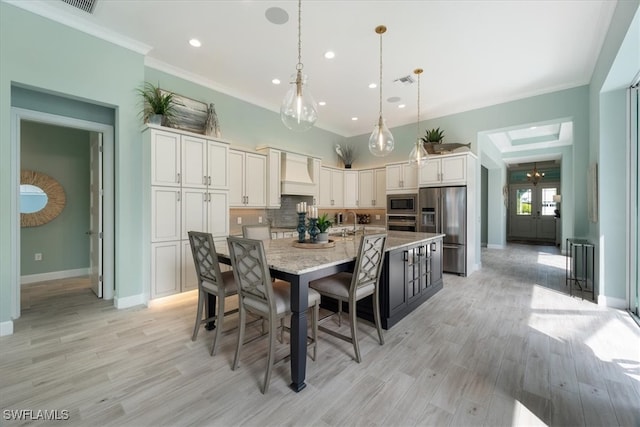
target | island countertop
x=281, y=253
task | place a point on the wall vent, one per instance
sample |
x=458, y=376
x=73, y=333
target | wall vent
x=85, y=5
x=405, y=80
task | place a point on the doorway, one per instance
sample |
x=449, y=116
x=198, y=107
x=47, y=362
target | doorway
x=532, y=212
x=102, y=195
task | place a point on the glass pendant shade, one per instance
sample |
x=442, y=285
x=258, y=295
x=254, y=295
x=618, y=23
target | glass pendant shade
x=381, y=141
x=418, y=155
x=298, y=111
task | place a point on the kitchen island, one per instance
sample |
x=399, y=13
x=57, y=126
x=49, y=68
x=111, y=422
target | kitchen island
x=410, y=262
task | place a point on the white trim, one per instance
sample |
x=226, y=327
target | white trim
x=54, y=275
x=612, y=302
x=18, y=114
x=6, y=328
x=131, y=301
x=495, y=246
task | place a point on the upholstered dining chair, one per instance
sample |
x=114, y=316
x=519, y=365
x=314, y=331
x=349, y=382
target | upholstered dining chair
x=258, y=231
x=258, y=294
x=210, y=281
x=352, y=287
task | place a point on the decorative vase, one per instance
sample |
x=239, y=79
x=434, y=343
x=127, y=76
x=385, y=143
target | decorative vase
x=155, y=119
x=301, y=228
x=323, y=237
x=313, y=229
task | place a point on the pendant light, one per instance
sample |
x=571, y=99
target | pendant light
x=535, y=176
x=298, y=110
x=418, y=155
x=381, y=141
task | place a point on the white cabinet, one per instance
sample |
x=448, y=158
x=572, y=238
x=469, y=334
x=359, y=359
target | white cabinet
x=351, y=194
x=401, y=177
x=331, y=188
x=165, y=159
x=445, y=170
x=372, y=188
x=191, y=194
x=274, y=164
x=247, y=173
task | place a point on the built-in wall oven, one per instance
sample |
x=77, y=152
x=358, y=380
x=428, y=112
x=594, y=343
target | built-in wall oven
x=402, y=212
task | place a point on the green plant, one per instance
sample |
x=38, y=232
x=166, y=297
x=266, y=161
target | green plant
x=434, y=136
x=324, y=223
x=156, y=101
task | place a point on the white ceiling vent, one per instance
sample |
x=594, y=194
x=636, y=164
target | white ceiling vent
x=85, y=5
x=406, y=80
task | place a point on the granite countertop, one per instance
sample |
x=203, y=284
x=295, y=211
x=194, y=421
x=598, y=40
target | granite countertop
x=281, y=255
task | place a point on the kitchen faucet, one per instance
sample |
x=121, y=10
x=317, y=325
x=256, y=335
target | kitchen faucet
x=355, y=219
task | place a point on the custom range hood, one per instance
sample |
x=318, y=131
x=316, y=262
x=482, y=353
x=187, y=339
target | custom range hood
x=295, y=175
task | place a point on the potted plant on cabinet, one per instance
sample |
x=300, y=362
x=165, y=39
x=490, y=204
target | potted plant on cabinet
x=323, y=225
x=432, y=137
x=158, y=105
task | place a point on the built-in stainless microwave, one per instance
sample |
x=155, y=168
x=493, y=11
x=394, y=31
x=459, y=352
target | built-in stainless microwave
x=404, y=204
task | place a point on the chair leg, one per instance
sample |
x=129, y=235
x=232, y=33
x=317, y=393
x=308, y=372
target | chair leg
x=354, y=329
x=242, y=313
x=220, y=321
x=196, y=328
x=315, y=315
x=339, y=312
x=376, y=316
x=272, y=349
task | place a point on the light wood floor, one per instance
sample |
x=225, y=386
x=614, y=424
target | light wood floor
x=505, y=346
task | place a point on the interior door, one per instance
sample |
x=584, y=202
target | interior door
x=95, y=222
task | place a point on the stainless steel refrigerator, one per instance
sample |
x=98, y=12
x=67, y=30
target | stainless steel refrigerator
x=444, y=210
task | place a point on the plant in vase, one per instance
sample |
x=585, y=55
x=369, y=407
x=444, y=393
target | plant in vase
x=431, y=138
x=158, y=105
x=323, y=224
x=347, y=154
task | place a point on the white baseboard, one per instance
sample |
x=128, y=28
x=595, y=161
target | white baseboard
x=494, y=246
x=53, y=275
x=6, y=328
x=131, y=301
x=611, y=302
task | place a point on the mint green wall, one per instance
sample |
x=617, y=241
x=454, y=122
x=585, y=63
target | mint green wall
x=57, y=59
x=617, y=65
x=249, y=126
x=63, y=154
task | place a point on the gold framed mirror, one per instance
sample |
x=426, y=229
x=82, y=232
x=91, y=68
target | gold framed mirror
x=42, y=198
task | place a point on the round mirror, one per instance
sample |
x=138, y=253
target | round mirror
x=42, y=198
x=32, y=198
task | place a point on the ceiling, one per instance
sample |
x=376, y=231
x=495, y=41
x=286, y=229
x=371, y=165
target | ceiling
x=474, y=53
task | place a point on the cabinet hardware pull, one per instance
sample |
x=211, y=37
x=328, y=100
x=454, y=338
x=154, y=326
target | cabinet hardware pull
x=433, y=246
x=209, y=180
x=405, y=256
x=178, y=195
x=178, y=177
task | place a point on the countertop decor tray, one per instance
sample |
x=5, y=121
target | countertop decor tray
x=307, y=244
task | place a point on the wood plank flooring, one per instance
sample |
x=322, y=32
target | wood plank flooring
x=504, y=347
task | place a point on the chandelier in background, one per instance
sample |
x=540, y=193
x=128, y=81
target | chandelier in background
x=535, y=176
x=418, y=155
x=299, y=111
x=381, y=141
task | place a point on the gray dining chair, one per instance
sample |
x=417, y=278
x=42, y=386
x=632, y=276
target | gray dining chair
x=259, y=295
x=258, y=231
x=352, y=287
x=210, y=281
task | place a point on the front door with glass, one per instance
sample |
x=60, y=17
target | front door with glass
x=532, y=213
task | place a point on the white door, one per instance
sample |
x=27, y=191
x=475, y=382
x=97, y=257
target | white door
x=255, y=180
x=236, y=178
x=366, y=189
x=95, y=221
x=380, y=187
x=350, y=189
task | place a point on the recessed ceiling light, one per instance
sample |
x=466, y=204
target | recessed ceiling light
x=195, y=43
x=276, y=15
x=275, y=81
x=329, y=54
x=354, y=118
x=401, y=106
x=322, y=103
x=372, y=85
